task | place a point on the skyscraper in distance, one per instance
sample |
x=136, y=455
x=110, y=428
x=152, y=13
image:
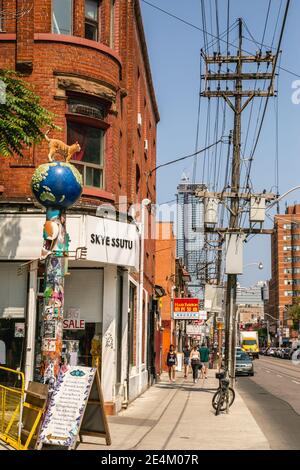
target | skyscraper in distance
x=190, y=233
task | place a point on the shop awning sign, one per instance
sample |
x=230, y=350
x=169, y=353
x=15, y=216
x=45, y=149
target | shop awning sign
x=186, y=309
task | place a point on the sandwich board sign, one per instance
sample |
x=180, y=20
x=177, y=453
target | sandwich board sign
x=75, y=409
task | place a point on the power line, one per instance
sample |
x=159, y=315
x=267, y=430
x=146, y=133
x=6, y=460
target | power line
x=295, y=74
x=185, y=157
x=268, y=96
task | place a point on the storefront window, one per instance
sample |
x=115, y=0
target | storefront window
x=80, y=346
x=12, y=334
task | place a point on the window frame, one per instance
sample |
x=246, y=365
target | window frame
x=112, y=32
x=2, y=28
x=91, y=122
x=93, y=22
x=71, y=20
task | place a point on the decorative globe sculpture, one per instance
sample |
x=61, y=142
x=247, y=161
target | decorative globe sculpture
x=57, y=185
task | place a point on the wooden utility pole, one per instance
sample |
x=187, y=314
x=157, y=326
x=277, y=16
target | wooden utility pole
x=241, y=98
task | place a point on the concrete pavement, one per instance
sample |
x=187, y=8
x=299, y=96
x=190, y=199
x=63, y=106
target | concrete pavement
x=180, y=416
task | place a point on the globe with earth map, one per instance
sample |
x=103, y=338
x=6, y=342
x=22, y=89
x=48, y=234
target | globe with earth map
x=57, y=184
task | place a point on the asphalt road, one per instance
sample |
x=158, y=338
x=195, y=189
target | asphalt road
x=273, y=397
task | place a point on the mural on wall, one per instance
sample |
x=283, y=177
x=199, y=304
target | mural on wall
x=57, y=186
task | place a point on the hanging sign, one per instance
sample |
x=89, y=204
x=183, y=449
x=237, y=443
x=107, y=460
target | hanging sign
x=186, y=309
x=76, y=408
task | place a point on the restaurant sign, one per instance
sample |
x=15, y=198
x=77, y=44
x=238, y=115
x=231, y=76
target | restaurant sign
x=186, y=309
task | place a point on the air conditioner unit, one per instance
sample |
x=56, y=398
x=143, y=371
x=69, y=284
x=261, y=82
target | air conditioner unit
x=146, y=145
x=139, y=119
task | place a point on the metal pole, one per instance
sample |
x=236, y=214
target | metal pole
x=234, y=218
x=53, y=306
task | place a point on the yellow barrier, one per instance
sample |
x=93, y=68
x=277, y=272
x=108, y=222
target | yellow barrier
x=12, y=389
x=15, y=413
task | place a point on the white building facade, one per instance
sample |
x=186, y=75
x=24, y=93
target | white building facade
x=101, y=301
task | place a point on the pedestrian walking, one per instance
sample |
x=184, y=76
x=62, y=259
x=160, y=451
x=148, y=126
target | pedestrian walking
x=186, y=359
x=172, y=363
x=204, y=356
x=195, y=363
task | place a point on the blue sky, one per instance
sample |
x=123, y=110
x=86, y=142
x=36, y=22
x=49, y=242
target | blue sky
x=174, y=50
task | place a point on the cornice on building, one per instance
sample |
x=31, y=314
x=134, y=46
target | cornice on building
x=140, y=25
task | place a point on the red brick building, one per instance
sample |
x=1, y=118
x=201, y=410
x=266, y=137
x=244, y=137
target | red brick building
x=285, y=282
x=171, y=274
x=88, y=62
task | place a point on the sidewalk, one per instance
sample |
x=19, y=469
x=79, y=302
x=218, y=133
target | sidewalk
x=180, y=416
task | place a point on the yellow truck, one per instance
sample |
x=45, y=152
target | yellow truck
x=249, y=343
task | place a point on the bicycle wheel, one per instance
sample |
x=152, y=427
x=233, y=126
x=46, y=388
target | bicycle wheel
x=222, y=399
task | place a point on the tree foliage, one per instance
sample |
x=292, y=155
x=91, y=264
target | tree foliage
x=294, y=312
x=21, y=115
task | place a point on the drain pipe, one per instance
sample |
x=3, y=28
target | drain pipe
x=125, y=401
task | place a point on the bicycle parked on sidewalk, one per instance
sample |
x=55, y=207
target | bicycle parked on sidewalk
x=224, y=395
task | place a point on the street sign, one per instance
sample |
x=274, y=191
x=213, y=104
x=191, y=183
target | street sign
x=186, y=316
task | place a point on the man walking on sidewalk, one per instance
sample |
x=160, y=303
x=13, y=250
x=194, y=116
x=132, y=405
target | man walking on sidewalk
x=204, y=356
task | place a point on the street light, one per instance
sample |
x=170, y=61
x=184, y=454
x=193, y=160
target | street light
x=260, y=265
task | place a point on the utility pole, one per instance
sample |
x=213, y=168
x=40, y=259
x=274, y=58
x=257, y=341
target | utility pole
x=242, y=98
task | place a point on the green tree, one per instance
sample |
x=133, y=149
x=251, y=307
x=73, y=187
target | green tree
x=294, y=313
x=21, y=115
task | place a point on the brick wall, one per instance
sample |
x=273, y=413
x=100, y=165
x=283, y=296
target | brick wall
x=41, y=56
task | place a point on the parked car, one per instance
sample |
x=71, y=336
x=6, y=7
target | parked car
x=271, y=352
x=286, y=354
x=244, y=364
x=278, y=352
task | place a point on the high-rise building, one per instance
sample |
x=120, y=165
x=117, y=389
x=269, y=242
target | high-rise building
x=285, y=283
x=190, y=234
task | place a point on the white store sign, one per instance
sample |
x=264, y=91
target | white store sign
x=107, y=241
x=193, y=329
x=112, y=242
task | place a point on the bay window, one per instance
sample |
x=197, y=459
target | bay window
x=62, y=17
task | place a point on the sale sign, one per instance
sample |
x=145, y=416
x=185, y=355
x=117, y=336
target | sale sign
x=70, y=324
x=72, y=320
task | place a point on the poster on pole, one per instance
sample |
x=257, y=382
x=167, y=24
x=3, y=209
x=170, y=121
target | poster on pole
x=77, y=392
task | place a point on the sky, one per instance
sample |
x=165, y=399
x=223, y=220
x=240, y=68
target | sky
x=174, y=51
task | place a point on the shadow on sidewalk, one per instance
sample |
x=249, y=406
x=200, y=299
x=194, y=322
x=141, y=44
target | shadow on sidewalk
x=188, y=387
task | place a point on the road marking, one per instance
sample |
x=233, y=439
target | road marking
x=268, y=371
x=279, y=375
x=295, y=382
